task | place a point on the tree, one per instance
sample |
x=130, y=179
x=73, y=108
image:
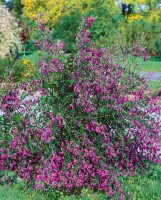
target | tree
x=18, y=6
x=144, y=24
x=9, y=33
x=63, y=17
x=53, y=10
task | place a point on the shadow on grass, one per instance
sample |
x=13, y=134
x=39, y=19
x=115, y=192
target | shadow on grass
x=26, y=53
x=156, y=58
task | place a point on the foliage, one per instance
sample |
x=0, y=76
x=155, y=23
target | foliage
x=19, y=68
x=29, y=68
x=28, y=33
x=9, y=33
x=17, y=7
x=158, y=46
x=104, y=31
x=110, y=27
x=64, y=21
x=2, y=2
x=84, y=123
x=144, y=25
x=68, y=25
x=51, y=10
x=109, y=18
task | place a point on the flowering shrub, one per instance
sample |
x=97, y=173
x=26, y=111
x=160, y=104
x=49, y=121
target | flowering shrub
x=84, y=122
x=9, y=33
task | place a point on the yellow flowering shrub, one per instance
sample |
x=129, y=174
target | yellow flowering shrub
x=141, y=1
x=155, y=15
x=53, y=10
x=30, y=68
x=143, y=25
x=134, y=17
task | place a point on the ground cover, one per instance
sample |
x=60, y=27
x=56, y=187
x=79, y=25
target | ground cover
x=16, y=192
x=32, y=55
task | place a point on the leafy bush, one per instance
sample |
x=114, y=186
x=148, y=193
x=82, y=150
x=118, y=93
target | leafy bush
x=67, y=25
x=143, y=25
x=18, y=69
x=85, y=122
x=158, y=46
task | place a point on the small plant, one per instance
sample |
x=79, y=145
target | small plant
x=30, y=69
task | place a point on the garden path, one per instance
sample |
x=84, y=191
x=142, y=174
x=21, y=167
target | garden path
x=153, y=76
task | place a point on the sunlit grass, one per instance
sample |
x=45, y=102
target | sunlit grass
x=152, y=65
x=145, y=186
x=154, y=85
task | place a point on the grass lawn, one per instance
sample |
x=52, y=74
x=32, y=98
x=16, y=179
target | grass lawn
x=32, y=56
x=154, y=85
x=152, y=65
x=145, y=186
x=16, y=192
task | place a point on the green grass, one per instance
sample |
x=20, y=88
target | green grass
x=145, y=186
x=152, y=65
x=32, y=56
x=16, y=192
x=141, y=187
x=154, y=85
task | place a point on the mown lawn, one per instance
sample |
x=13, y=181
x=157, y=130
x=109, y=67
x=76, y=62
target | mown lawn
x=32, y=56
x=152, y=65
x=154, y=85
